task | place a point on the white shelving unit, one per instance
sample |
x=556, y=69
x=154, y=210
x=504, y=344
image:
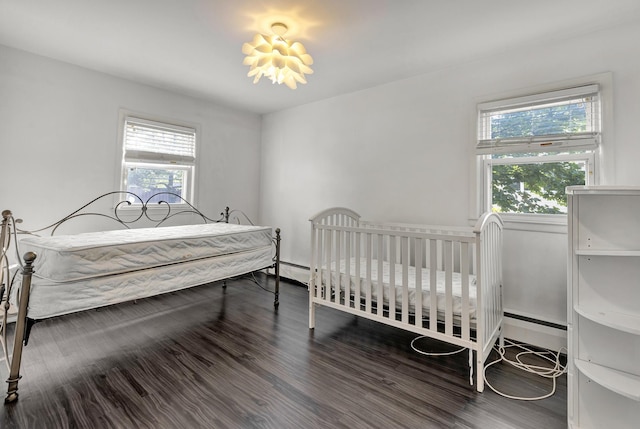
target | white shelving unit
x=604, y=307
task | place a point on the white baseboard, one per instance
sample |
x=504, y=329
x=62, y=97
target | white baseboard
x=294, y=272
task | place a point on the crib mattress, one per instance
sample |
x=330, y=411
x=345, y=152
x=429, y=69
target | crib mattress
x=49, y=298
x=456, y=286
x=70, y=258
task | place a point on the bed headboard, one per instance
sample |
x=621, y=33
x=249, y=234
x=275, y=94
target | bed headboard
x=132, y=209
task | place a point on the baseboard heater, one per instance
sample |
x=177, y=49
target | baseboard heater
x=536, y=321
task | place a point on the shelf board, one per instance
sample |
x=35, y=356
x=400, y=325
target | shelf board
x=621, y=321
x=595, y=252
x=622, y=383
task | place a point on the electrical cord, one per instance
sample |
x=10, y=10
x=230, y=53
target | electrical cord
x=552, y=372
x=422, y=352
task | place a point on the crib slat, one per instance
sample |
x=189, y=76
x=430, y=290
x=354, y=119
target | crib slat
x=433, y=285
x=347, y=268
x=367, y=284
x=418, y=290
x=313, y=274
x=448, y=285
x=380, y=292
x=327, y=251
x=338, y=287
x=392, y=276
x=319, y=264
x=464, y=273
x=357, y=277
x=405, y=279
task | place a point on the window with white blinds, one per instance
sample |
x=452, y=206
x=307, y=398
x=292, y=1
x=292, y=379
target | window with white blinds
x=532, y=147
x=159, y=160
x=157, y=142
x=551, y=121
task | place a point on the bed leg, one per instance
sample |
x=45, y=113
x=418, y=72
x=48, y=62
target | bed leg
x=225, y=216
x=20, y=330
x=276, y=299
x=30, y=323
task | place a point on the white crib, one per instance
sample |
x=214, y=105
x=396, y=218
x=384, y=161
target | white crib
x=456, y=273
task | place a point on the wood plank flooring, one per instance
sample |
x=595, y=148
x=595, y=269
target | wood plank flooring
x=213, y=358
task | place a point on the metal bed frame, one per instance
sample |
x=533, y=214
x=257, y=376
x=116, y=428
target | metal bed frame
x=9, y=232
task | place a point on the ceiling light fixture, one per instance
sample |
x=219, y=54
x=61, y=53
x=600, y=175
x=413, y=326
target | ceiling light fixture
x=276, y=58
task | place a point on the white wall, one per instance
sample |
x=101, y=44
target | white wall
x=58, y=139
x=401, y=152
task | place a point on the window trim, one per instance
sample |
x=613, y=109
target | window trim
x=603, y=159
x=192, y=192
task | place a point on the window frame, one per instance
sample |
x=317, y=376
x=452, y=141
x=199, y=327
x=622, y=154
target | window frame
x=600, y=159
x=589, y=158
x=190, y=193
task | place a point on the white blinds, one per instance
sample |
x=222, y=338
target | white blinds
x=157, y=142
x=552, y=121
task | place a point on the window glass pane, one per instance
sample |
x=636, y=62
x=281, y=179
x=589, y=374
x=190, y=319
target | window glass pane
x=145, y=181
x=557, y=118
x=534, y=187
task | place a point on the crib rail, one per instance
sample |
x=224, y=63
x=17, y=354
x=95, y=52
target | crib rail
x=437, y=281
x=403, y=254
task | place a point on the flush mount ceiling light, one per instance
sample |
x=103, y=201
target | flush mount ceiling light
x=280, y=60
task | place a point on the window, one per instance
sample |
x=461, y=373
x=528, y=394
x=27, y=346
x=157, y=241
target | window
x=158, y=157
x=533, y=147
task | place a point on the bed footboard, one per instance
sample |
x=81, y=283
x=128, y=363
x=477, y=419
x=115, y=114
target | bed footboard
x=20, y=334
x=444, y=283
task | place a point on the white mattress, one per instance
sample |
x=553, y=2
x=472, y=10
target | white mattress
x=84, y=256
x=48, y=299
x=456, y=286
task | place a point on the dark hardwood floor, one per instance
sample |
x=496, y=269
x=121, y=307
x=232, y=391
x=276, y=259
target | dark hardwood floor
x=209, y=358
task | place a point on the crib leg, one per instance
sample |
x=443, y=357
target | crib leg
x=312, y=317
x=479, y=372
x=312, y=308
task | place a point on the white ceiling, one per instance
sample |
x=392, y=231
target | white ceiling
x=194, y=46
